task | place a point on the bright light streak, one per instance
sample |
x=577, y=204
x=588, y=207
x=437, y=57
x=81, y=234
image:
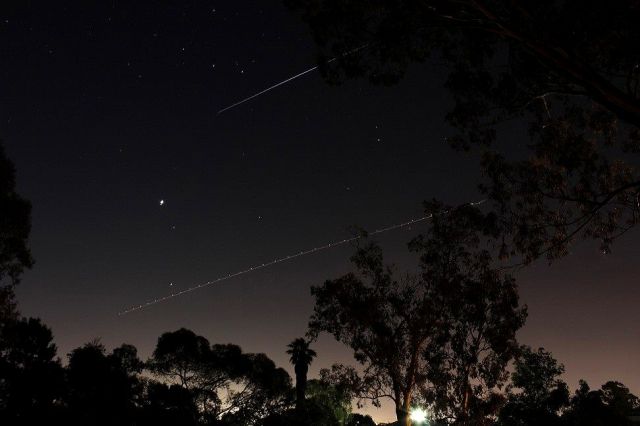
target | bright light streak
x=270, y=88
x=280, y=260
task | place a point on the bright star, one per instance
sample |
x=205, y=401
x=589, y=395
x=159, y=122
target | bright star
x=162, y=202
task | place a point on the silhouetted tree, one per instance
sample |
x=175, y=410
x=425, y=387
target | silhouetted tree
x=467, y=365
x=611, y=405
x=540, y=394
x=360, y=420
x=182, y=356
x=443, y=337
x=335, y=397
x=252, y=386
x=15, y=226
x=168, y=405
x=301, y=356
x=104, y=389
x=31, y=377
x=387, y=322
x=617, y=396
x=264, y=389
x=568, y=68
x=325, y=404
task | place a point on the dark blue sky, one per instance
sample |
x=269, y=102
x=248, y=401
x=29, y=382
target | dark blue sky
x=107, y=109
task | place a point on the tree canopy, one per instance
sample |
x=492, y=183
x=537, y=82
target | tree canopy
x=224, y=383
x=568, y=69
x=536, y=394
x=442, y=337
x=15, y=227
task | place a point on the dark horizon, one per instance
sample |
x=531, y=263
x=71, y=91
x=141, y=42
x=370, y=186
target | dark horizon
x=108, y=109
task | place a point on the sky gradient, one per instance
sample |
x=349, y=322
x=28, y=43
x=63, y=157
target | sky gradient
x=106, y=110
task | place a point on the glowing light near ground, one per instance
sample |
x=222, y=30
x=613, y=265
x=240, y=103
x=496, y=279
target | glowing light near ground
x=418, y=415
x=279, y=260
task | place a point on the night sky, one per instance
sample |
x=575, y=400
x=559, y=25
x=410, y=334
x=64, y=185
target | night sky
x=108, y=109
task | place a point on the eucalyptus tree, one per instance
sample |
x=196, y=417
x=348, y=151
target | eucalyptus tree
x=442, y=337
x=567, y=71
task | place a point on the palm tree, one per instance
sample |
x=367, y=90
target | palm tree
x=301, y=357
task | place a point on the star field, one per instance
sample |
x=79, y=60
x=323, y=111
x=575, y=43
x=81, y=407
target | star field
x=141, y=189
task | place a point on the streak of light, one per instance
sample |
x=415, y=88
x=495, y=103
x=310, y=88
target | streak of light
x=280, y=260
x=268, y=89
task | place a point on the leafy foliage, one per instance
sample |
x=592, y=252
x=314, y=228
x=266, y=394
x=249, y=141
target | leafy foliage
x=571, y=69
x=443, y=337
x=224, y=383
x=540, y=395
x=15, y=226
x=104, y=389
x=31, y=377
x=611, y=405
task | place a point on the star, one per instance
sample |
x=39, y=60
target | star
x=162, y=202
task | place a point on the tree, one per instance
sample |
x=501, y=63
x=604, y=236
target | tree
x=360, y=420
x=264, y=390
x=15, y=227
x=168, y=405
x=336, y=399
x=31, y=377
x=567, y=68
x=481, y=315
x=104, y=389
x=387, y=322
x=301, y=356
x=182, y=356
x=617, y=397
x=443, y=337
x=611, y=405
x=226, y=384
x=540, y=396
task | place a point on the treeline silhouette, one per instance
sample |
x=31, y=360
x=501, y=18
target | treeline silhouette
x=442, y=338
x=188, y=381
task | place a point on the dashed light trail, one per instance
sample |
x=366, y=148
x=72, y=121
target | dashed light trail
x=280, y=260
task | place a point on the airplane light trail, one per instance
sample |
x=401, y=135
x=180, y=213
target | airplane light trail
x=280, y=260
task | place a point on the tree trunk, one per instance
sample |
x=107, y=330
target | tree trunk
x=301, y=386
x=402, y=416
x=402, y=411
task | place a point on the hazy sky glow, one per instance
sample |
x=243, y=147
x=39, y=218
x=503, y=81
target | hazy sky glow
x=140, y=189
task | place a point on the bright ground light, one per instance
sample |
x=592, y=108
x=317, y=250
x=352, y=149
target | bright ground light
x=418, y=415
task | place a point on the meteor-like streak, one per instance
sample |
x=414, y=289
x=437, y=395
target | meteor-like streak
x=268, y=89
x=280, y=260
